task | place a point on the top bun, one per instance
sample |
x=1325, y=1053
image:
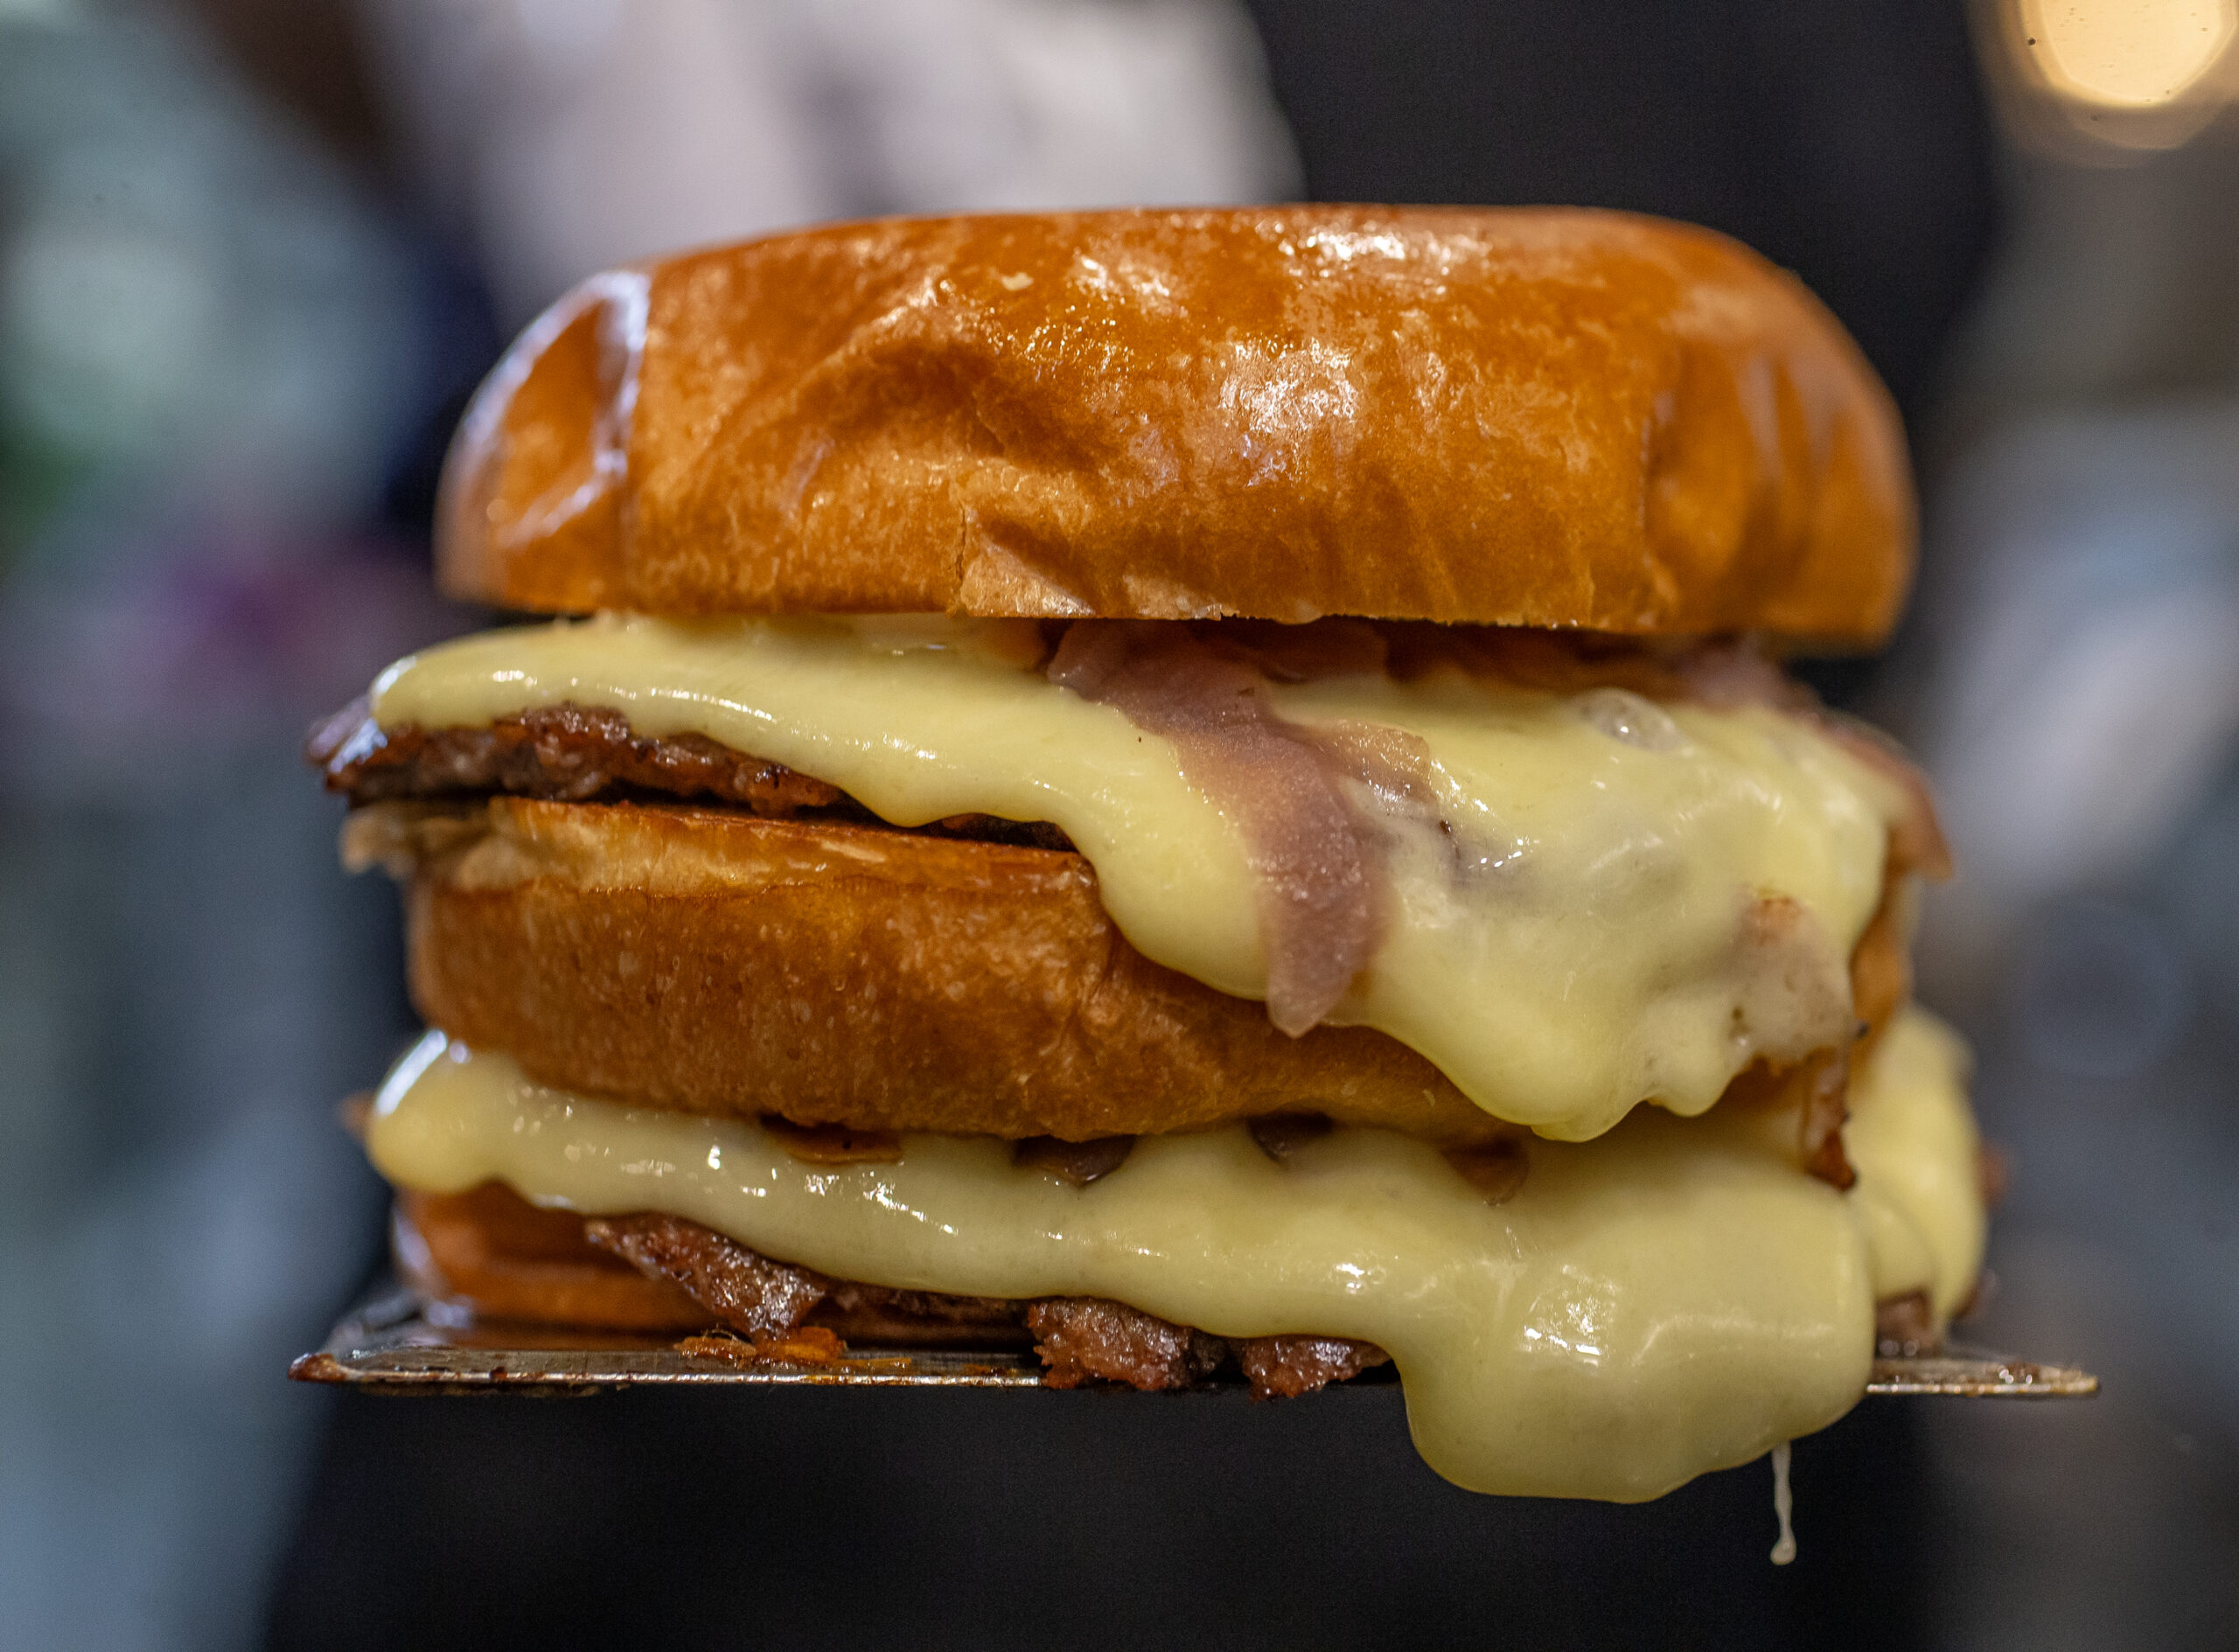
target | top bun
x=1513, y=417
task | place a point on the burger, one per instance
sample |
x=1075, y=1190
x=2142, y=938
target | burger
x=1202, y=792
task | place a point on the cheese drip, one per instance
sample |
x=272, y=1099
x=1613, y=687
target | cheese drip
x=1577, y=926
x=1673, y=1298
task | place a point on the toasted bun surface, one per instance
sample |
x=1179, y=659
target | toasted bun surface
x=714, y=963
x=1526, y=417
x=710, y=962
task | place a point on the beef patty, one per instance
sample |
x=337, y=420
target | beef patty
x=491, y=1250
x=575, y=754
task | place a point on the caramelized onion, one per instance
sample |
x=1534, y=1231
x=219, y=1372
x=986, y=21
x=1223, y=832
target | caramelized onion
x=1280, y=1134
x=1318, y=895
x=1497, y=1169
x=1078, y=1162
x=834, y=1143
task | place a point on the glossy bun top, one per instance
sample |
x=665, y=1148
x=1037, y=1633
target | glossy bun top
x=1514, y=416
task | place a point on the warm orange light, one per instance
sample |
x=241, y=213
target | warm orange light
x=2127, y=54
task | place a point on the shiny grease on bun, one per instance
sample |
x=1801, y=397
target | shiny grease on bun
x=1536, y=417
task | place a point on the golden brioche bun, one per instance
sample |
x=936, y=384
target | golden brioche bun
x=710, y=962
x=1516, y=417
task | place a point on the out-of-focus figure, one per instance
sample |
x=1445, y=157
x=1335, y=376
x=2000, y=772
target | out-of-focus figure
x=568, y=136
x=212, y=350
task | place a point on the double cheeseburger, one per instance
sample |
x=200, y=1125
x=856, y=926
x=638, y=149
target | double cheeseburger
x=1194, y=790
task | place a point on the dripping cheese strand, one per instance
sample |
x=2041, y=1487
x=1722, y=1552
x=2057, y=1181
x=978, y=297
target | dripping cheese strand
x=1784, y=1507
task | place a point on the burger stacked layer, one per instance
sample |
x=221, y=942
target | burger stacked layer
x=1506, y=984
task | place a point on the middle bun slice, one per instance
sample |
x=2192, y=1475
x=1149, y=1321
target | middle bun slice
x=713, y=963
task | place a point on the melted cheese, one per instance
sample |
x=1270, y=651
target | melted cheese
x=1912, y=1139
x=1673, y=1298
x=1566, y=935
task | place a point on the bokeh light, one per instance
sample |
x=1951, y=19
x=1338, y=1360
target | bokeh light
x=2125, y=75
x=2128, y=53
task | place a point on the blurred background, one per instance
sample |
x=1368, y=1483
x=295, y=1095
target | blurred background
x=254, y=255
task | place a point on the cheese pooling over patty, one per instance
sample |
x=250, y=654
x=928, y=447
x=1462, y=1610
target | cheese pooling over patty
x=1675, y=1297
x=1590, y=900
